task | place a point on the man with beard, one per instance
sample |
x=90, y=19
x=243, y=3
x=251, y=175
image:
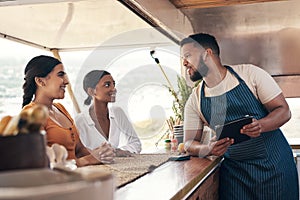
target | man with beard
x=260, y=168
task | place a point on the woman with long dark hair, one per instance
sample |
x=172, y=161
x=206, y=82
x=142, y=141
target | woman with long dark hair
x=45, y=81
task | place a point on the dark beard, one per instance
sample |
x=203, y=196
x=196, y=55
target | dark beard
x=196, y=76
x=201, y=72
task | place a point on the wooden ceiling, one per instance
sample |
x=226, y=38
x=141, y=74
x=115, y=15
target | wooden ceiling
x=186, y=4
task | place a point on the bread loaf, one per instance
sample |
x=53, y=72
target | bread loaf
x=28, y=121
x=3, y=123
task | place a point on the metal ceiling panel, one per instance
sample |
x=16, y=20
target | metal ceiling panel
x=264, y=33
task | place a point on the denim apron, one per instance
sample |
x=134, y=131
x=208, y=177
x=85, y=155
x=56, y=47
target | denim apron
x=261, y=168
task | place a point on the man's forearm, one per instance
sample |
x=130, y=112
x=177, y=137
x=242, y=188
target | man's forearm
x=195, y=148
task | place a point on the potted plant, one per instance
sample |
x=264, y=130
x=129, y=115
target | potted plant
x=180, y=98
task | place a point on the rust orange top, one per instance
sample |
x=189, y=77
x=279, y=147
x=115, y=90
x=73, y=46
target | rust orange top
x=66, y=136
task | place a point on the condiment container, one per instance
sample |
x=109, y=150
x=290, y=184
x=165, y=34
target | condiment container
x=167, y=144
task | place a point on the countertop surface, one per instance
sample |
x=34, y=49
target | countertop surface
x=172, y=180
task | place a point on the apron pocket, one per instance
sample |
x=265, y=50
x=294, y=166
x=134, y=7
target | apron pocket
x=248, y=150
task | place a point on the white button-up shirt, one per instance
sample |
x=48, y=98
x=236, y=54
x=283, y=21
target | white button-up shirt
x=121, y=132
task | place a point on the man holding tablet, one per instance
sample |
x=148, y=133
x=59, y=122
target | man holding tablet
x=261, y=167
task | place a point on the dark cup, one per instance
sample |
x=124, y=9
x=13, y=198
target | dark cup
x=23, y=151
x=179, y=138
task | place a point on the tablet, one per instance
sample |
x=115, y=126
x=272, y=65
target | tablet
x=232, y=129
x=180, y=157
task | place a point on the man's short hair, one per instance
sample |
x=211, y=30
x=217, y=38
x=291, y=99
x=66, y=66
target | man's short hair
x=204, y=40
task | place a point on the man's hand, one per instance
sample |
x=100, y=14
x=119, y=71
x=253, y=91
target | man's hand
x=218, y=148
x=252, y=130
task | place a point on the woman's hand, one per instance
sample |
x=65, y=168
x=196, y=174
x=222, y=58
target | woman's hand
x=104, y=153
x=122, y=153
x=252, y=130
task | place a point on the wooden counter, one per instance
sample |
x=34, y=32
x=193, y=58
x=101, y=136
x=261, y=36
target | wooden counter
x=197, y=178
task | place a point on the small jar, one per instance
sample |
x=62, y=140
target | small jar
x=168, y=144
x=174, y=144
